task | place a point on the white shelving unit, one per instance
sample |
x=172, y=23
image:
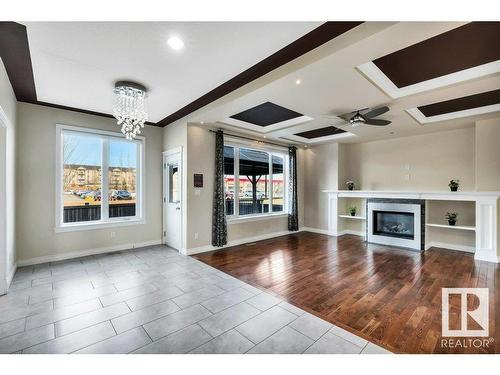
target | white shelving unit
x=456, y=227
x=483, y=236
x=353, y=217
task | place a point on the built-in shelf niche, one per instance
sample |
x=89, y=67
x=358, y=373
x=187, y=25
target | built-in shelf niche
x=461, y=236
x=352, y=224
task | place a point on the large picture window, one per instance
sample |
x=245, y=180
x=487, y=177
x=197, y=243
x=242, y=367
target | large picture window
x=86, y=196
x=254, y=181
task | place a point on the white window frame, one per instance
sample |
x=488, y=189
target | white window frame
x=105, y=221
x=237, y=143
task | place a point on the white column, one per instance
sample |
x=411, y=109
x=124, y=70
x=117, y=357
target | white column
x=486, y=230
x=333, y=215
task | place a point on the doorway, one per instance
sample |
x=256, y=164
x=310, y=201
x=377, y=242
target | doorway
x=172, y=198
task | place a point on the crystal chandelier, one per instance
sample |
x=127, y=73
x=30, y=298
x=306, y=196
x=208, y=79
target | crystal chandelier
x=129, y=108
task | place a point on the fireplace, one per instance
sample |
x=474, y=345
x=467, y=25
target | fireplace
x=396, y=223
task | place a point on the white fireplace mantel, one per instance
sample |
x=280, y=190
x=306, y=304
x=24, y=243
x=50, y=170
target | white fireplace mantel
x=486, y=213
x=426, y=195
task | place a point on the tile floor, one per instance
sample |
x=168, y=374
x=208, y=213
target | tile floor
x=154, y=300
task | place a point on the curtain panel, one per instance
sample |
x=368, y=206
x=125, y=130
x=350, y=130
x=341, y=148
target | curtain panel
x=219, y=223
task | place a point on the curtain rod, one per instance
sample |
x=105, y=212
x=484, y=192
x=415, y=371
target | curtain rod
x=248, y=139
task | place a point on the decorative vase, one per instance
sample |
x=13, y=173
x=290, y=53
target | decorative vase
x=454, y=188
x=452, y=222
x=353, y=213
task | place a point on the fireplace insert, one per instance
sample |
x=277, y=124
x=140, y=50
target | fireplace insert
x=394, y=224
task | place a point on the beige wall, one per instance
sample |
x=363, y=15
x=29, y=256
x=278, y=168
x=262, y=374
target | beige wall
x=201, y=159
x=36, y=187
x=320, y=173
x=430, y=161
x=488, y=154
x=8, y=105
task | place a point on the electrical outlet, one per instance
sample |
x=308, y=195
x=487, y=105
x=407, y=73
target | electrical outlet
x=196, y=236
x=113, y=234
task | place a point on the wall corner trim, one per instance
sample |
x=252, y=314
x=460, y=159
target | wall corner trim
x=10, y=274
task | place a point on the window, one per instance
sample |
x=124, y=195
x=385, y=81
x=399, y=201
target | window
x=229, y=182
x=173, y=183
x=254, y=180
x=86, y=196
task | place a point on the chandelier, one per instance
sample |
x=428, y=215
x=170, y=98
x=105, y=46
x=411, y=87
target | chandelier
x=129, y=108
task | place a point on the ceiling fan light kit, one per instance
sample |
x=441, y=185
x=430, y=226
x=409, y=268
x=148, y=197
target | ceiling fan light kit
x=366, y=117
x=357, y=120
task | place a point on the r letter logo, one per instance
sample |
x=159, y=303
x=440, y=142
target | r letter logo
x=477, y=316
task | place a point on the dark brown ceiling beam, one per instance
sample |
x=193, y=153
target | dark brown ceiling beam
x=79, y=110
x=306, y=43
x=15, y=54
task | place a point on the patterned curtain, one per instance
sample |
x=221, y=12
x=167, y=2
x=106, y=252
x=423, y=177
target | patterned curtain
x=219, y=224
x=293, y=216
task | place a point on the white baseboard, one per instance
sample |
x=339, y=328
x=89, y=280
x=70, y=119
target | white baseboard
x=449, y=246
x=491, y=258
x=86, y=252
x=241, y=241
x=315, y=230
x=325, y=231
x=353, y=232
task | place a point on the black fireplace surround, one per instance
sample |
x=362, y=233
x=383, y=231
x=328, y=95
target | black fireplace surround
x=397, y=224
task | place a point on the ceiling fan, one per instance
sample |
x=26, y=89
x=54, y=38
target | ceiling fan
x=365, y=117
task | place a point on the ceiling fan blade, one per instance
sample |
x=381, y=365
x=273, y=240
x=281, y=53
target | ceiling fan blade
x=377, y=122
x=376, y=112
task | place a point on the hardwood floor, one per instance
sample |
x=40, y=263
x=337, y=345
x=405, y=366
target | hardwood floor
x=387, y=295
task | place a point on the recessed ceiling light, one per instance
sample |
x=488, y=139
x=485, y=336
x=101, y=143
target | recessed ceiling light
x=265, y=137
x=202, y=122
x=175, y=42
x=298, y=82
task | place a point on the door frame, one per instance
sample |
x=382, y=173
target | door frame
x=3, y=201
x=165, y=155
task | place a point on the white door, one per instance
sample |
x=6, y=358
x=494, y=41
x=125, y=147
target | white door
x=172, y=199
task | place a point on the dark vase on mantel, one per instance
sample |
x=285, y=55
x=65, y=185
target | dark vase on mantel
x=454, y=188
x=452, y=222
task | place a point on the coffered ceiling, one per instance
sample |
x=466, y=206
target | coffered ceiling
x=355, y=70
